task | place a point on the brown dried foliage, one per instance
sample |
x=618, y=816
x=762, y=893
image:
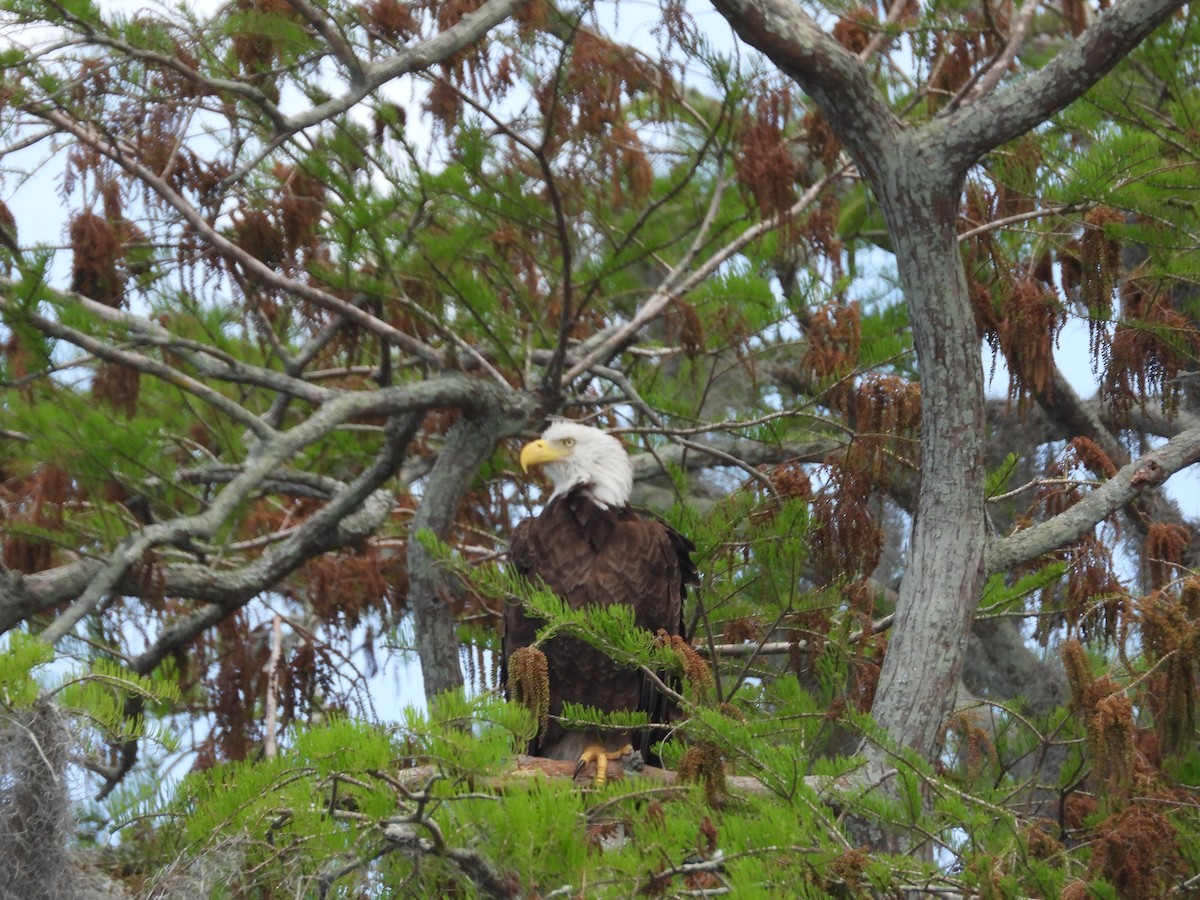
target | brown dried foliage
x=96, y=248
x=301, y=202
x=254, y=232
x=117, y=386
x=1151, y=346
x=741, y=629
x=36, y=502
x=1076, y=13
x=1070, y=267
x=696, y=669
x=864, y=673
x=1062, y=492
x=444, y=104
x=957, y=53
x=158, y=138
x=627, y=164
x=1099, y=270
x=820, y=230
x=599, y=72
x=702, y=764
x=303, y=671
x=451, y=12
x=1031, y=324
x=1137, y=851
x=481, y=669
x=92, y=81
x=1107, y=714
x=8, y=227
x=343, y=588
x=255, y=49
x=886, y=412
x=791, y=480
x=1015, y=180
x=1165, y=545
x=976, y=752
x=811, y=626
x=1095, y=603
x=532, y=17
x=20, y=361
x=847, y=872
x=834, y=336
x=237, y=685
x=1039, y=844
x=393, y=19
x=683, y=328
x=1089, y=454
x=1024, y=330
x=1077, y=809
x=1171, y=632
x=765, y=167
x=529, y=683
x=853, y=30
x=846, y=541
x=821, y=138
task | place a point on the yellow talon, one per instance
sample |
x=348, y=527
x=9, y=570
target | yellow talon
x=597, y=754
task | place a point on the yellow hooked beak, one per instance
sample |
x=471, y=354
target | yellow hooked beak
x=541, y=451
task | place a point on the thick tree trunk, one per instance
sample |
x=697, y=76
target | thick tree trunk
x=468, y=445
x=941, y=586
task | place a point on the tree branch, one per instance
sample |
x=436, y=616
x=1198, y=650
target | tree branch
x=836, y=79
x=1150, y=471
x=371, y=77
x=602, y=346
x=969, y=131
x=148, y=366
x=359, y=510
x=125, y=158
x=469, y=443
x=354, y=512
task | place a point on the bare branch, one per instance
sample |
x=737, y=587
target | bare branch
x=969, y=131
x=603, y=346
x=1147, y=472
x=420, y=56
x=347, y=517
x=124, y=158
x=768, y=648
x=145, y=364
x=998, y=67
x=469, y=443
x=325, y=27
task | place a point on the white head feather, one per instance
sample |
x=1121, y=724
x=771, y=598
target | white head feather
x=574, y=454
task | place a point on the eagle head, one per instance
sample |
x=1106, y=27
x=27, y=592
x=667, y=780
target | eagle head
x=575, y=455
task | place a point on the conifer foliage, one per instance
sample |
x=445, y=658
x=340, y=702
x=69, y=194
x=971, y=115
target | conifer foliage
x=284, y=282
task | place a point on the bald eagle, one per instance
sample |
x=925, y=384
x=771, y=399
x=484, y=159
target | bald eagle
x=591, y=548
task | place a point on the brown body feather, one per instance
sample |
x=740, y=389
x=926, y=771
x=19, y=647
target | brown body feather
x=592, y=555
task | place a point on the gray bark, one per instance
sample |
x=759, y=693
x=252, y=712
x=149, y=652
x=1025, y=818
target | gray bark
x=941, y=586
x=469, y=443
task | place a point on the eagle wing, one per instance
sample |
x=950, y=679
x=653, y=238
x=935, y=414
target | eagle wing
x=592, y=555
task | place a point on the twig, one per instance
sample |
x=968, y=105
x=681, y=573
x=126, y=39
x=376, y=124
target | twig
x=778, y=647
x=272, y=669
x=607, y=343
x=997, y=68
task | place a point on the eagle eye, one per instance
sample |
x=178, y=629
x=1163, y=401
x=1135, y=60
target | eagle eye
x=568, y=442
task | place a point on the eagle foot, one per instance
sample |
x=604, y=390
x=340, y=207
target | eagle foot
x=595, y=753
